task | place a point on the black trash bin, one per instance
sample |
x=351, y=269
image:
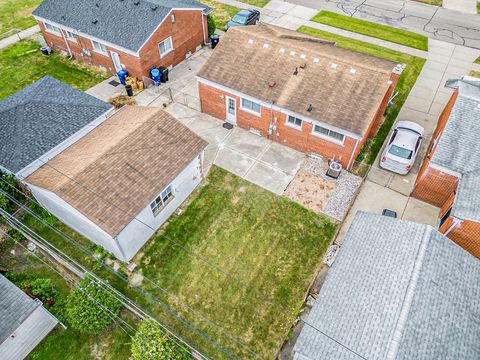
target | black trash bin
x=129, y=90
x=46, y=50
x=214, y=39
x=163, y=74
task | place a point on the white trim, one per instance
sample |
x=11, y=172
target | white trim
x=88, y=37
x=172, y=48
x=277, y=108
x=42, y=159
x=455, y=223
x=161, y=22
x=444, y=170
x=258, y=114
x=234, y=120
x=328, y=138
x=294, y=126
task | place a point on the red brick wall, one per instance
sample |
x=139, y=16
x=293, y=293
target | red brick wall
x=213, y=102
x=187, y=34
x=466, y=234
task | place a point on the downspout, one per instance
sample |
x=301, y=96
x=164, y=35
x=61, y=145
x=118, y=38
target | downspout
x=353, y=153
x=456, y=222
x=115, y=239
x=66, y=43
x=204, y=19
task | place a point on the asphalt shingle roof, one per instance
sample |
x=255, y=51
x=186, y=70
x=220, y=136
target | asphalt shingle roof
x=39, y=117
x=15, y=307
x=397, y=290
x=459, y=148
x=119, y=22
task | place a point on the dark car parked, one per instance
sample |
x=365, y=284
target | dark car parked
x=243, y=18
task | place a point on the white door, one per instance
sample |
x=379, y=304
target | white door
x=231, y=110
x=116, y=61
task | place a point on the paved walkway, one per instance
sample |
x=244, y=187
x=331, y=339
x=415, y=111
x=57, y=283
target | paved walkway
x=464, y=6
x=437, y=23
x=19, y=36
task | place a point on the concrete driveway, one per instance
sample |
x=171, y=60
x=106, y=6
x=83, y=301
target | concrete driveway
x=258, y=160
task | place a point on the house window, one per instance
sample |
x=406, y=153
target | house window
x=52, y=28
x=98, y=47
x=161, y=200
x=328, y=133
x=293, y=121
x=70, y=35
x=250, y=106
x=173, y=18
x=165, y=46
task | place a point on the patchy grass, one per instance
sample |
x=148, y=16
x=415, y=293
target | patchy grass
x=405, y=83
x=269, y=242
x=257, y=3
x=431, y=2
x=22, y=64
x=475, y=73
x=16, y=14
x=371, y=29
x=477, y=60
x=222, y=12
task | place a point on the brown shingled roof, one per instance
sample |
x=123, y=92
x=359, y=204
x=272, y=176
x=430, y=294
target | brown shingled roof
x=113, y=172
x=243, y=62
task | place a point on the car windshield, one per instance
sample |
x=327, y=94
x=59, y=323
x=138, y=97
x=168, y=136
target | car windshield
x=400, y=152
x=240, y=18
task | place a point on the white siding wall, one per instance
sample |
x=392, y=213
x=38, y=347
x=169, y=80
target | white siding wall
x=136, y=234
x=76, y=220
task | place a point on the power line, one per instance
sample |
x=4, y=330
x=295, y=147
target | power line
x=121, y=276
x=227, y=274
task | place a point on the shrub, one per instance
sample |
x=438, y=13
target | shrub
x=42, y=289
x=121, y=100
x=43, y=213
x=212, y=25
x=84, y=311
x=151, y=343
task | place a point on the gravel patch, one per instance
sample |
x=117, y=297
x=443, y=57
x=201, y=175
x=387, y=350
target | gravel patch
x=346, y=187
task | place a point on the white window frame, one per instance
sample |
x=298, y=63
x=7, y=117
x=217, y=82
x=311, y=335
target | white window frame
x=170, y=40
x=159, y=203
x=295, y=126
x=52, y=29
x=101, y=51
x=70, y=38
x=327, y=137
x=250, y=110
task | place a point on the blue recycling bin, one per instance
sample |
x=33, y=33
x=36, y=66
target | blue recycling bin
x=155, y=75
x=122, y=75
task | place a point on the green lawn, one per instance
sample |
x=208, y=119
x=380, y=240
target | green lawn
x=404, y=85
x=222, y=12
x=16, y=14
x=378, y=31
x=431, y=2
x=258, y=3
x=22, y=64
x=477, y=60
x=475, y=73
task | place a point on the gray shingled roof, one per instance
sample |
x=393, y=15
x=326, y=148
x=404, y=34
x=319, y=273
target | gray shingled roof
x=119, y=22
x=15, y=307
x=459, y=147
x=397, y=290
x=37, y=118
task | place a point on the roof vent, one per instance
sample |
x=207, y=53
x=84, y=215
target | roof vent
x=310, y=108
x=97, y=5
x=136, y=2
x=333, y=66
x=265, y=46
x=303, y=65
x=295, y=72
x=250, y=41
x=63, y=17
x=303, y=56
x=353, y=71
x=154, y=7
x=316, y=60
x=271, y=83
x=95, y=21
x=292, y=53
x=282, y=51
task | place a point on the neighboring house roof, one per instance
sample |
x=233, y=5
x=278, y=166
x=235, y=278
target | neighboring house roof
x=397, y=290
x=39, y=117
x=248, y=58
x=126, y=23
x=22, y=317
x=459, y=147
x=117, y=169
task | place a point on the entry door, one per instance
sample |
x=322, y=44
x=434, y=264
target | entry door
x=116, y=61
x=231, y=110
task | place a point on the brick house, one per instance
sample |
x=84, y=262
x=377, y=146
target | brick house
x=450, y=174
x=298, y=90
x=131, y=34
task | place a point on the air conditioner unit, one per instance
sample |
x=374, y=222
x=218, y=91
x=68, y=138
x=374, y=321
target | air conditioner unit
x=334, y=169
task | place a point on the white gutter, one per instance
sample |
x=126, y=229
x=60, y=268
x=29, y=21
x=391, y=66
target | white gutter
x=444, y=169
x=456, y=222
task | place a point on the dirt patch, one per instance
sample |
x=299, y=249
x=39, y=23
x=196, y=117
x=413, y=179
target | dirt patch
x=310, y=190
x=25, y=12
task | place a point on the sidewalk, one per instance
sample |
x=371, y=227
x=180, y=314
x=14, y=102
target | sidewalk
x=19, y=36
